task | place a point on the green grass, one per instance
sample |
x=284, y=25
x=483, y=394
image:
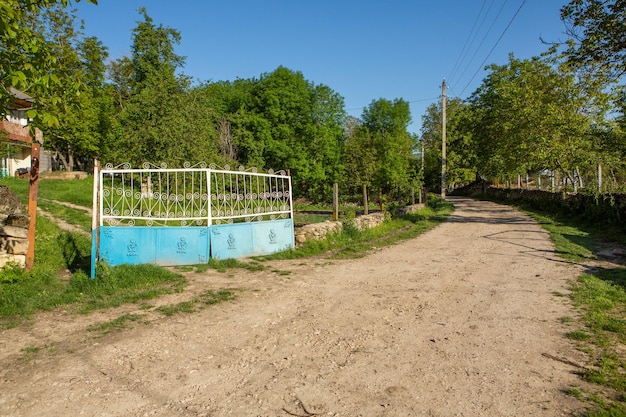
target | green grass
x=72, y=216
x=117, y=324
x=22, y=293
x=191, y=306
x=600, y=298
x=223, y=265
x=79, y=192
x=352, y=243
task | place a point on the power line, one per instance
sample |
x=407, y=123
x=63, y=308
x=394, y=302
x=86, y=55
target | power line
x=410, y=101
x=469, y=63
x=494, y=46
x=469, y=36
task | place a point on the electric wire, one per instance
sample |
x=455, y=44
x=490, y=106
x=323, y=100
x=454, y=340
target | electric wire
x=494, y=46
x=472, y=35
x=469, y=63
x=463, y=50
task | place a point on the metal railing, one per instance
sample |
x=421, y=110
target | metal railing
x=192, y=195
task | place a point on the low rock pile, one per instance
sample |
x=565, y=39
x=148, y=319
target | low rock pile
x=316, y=231
x=13, y=228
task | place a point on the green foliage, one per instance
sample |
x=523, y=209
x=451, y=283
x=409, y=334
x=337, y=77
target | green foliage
x=598, y=34
x=461, y=149
x=28, y=61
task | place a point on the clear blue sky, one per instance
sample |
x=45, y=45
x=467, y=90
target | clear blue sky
x=362, y=49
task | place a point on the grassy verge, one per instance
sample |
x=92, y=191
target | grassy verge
x=600, y=298
x=60, y=278
x=352, y=243
x=62, y=261
x=77, y=192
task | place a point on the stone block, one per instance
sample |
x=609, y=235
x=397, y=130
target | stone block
x=17, y=246
x=9, y=201
x=18, y=259
x=18, y=220
x=13, y=231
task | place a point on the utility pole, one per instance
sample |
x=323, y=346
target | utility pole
x=443, y=139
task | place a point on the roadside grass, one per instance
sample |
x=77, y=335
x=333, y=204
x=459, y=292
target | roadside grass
x=600, y=297
x=70, y=215
x=352, y=243
x=60, y=278
x=79, y=192
x=207, y=298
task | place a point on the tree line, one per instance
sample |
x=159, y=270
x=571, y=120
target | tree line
x=558, y=114
x=143, y=108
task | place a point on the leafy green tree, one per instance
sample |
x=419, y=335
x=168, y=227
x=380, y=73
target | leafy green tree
x=387, y=121
x=598, y=34
x=531, y=115
x=301, y=128
x=461, y=152
x=78, y=133
x=27, y=61
x=360, y=158
x=159, y=119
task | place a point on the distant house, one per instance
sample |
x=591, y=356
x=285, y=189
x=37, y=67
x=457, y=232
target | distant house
x=15, y=138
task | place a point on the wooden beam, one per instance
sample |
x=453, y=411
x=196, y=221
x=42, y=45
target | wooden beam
x=32, y=204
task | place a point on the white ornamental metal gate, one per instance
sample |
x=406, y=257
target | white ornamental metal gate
x=186, y=216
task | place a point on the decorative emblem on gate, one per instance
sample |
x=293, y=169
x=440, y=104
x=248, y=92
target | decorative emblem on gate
x=132, y=248
x=231, y=241
x=273, y=237
x=182, y=245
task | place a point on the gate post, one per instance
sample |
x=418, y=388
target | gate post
x=95, y=236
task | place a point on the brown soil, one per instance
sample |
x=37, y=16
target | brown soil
x=462, y=321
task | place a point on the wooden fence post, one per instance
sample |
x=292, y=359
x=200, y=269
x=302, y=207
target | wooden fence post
x=32, y=204
x=335, y=201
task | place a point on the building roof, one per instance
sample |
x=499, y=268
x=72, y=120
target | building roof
x=21, y=99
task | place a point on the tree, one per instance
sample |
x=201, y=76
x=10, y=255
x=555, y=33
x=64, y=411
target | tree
x=598, y=32
x=154, y=102
x=302, y=129
x=387, y=121
x=461, y=152
x=536, y=114
x=81, y=119
x=27, y=62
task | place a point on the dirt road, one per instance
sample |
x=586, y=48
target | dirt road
x=462, y=321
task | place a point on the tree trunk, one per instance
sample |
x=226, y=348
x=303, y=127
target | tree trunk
x=580, y=178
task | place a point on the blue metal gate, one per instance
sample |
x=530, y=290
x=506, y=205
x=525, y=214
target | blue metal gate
x=187, y=216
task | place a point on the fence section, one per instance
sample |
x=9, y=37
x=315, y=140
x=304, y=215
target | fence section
x=186, y=216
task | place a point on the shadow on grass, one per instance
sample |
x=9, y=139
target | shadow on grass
x=615, y=276
x=76, y=252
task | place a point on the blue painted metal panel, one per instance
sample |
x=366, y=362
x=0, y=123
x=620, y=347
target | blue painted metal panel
x=182, y=245
x=166, y=246
x=127, y=245
x=251, y=239
x=231, y=241
x=272, y=236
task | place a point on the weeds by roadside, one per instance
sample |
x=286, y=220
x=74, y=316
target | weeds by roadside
x=600, y=297
x=352, y=243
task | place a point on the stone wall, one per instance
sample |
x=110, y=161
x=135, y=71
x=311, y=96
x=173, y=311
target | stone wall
x=317, y=231
x=410, y=209
x=13, y=228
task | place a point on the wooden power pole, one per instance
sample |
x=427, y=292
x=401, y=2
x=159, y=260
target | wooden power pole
x=443, y=139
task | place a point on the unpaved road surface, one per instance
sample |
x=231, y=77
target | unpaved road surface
x=462, y=321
